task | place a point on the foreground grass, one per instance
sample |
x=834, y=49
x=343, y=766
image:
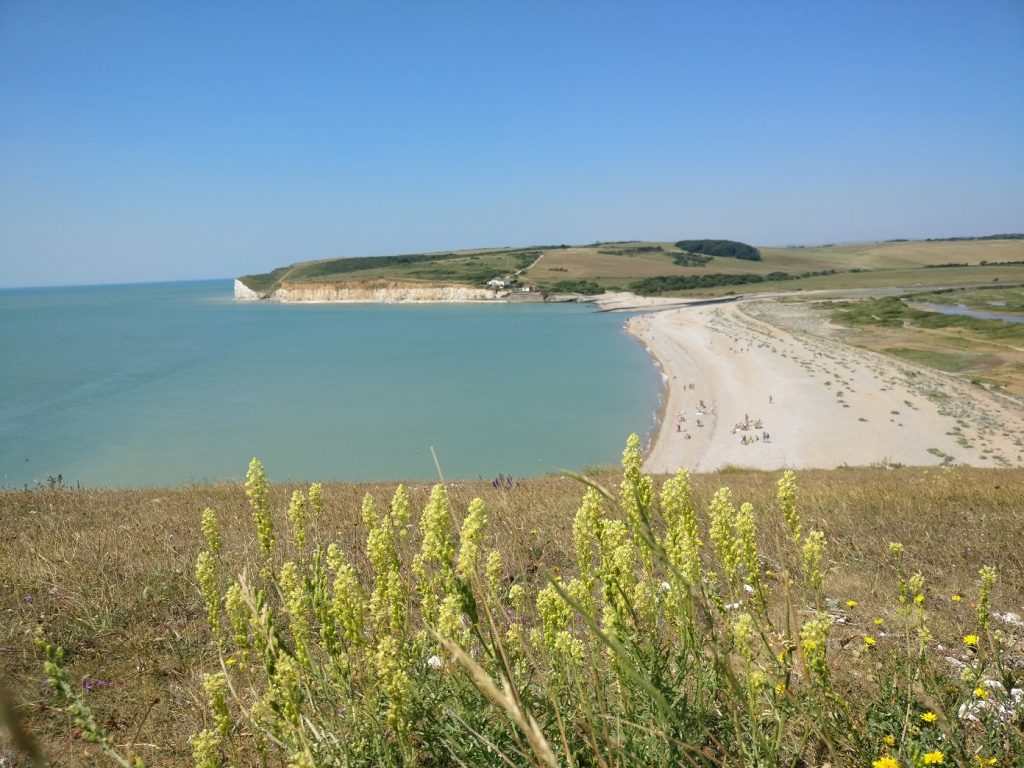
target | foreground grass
x=110, y=576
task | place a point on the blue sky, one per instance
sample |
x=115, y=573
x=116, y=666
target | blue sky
x=161, y=141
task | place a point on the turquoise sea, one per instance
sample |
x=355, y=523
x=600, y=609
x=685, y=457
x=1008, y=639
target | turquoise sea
x=169, y=383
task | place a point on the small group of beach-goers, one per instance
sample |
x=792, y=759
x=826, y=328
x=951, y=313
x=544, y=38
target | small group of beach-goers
x=749, y=424
x=699, y=411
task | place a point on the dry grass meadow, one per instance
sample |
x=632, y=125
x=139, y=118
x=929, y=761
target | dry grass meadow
x=110, y=576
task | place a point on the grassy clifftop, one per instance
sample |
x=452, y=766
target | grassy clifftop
x=707, y=267
x=112, y=577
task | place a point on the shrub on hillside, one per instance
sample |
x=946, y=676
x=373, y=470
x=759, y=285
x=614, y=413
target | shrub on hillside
x=728, y=248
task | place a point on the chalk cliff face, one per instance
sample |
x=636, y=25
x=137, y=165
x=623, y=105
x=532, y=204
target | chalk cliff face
x=379, y=292
x=244, y=293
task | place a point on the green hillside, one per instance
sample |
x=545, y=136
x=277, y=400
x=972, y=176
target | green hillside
x=702, y=267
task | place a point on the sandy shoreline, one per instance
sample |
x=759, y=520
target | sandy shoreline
x=766, y=385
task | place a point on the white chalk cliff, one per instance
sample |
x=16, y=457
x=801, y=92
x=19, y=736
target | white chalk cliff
x=245, y=293
x=377, y=292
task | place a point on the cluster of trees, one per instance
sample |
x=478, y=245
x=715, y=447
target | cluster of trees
x=691, y=259
x=728, y=248
x=586, y=287
x=632, y=251
x=1011, y=236
x=980, y=264
x=653, y=286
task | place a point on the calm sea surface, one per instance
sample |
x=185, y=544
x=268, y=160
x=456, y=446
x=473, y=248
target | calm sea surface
x=175, y=382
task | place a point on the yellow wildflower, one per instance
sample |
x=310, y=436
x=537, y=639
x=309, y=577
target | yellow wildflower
x=971, y=639
x=258, y=490
x=723, y=520
x=934, y=758
x=851, y=603
x=869, y=640
x=890, y=741
x=636, y=489
x=981, y=693
x=787, y=503
x=206, y=575
x=813, y=556
x=988, y=580
x=955, y=598
x=885, y=762
x=297, y=517
x=470, y=538
x=929, y=717
x=919, y=598
x=211, y=530
x=879, y=622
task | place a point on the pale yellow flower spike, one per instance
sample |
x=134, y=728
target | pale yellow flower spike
x=813, y=557
x=206, y=575
x=258, y=491
x=211, y=530
x=297, y=517
x=470, y=539
x=723, y=521
x=987, y=575
x=787, y=503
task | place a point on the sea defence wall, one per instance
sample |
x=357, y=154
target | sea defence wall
x=376, y=292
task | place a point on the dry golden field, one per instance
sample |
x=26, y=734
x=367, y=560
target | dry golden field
x=109, y=574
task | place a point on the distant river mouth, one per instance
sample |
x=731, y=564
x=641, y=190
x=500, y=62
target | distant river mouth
x=166, y=384
x=960, y=309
